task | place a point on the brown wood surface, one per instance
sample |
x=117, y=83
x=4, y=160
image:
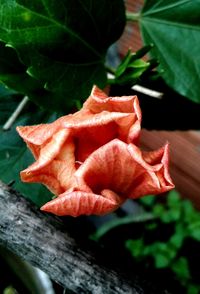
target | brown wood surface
x=131, y=38
x=45, y=242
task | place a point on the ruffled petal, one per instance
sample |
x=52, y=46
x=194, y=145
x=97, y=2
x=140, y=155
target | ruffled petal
x=48, y=180
x=122, y=169
x=47, y=166
x=78, y=203
x=100, y=129
x=154, y=178
x=58, y=176
x=50, y=150
x=109, y=167
x=39, y=134
x=99, y=101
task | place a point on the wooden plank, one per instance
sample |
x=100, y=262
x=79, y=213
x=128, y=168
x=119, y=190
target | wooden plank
x=44, y=241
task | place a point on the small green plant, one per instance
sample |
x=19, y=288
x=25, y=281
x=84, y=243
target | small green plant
x=186, y=223
x=133, y=68
x=169, y=225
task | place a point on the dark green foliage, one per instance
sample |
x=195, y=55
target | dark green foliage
x=132, y=67
x=170, y=228
x=14, y=155
x=61, y=47
x=173, y=28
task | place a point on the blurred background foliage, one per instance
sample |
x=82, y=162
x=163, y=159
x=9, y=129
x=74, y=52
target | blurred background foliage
x=162, y=236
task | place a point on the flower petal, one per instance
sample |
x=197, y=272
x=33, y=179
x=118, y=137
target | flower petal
x=48, y=152
x=122, y=169
x=107, y=125
x=78, y=203
x=156, y=178
x=56, y=171
x=99, y=101
x=46, y=179
x=39, y=134
x=109, y=167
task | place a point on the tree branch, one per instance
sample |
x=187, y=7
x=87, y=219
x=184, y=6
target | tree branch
x=43, y=240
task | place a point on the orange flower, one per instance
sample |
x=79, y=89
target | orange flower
x=89, y=159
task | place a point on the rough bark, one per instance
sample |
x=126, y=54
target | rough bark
x=43, y=240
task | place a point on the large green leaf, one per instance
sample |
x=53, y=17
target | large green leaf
x=13, y=75
x=14, y=155
x=173, y=27
x=63, y=43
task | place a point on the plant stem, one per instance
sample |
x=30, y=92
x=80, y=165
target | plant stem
x=147, y=91
x=15, y=114
x=132, y=16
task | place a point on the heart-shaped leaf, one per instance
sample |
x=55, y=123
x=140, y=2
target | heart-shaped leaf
x=62, y=43
x=173, y=27
x=13, y=75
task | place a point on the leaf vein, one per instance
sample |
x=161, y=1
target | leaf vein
x=65, y=28
x=166, y=7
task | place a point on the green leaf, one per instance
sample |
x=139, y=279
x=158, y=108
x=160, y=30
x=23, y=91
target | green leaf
x=173, y=199
x=62, y=43
x=124, y=63
x=13, y=75
x=193, y=289
x=66, y=83
x=194, y=230
x=181, y=268
x=173, y=27
x=136, y=247
x=163, y=253
x=130, y=58
x=9, y=290
x=132, y=67
x=161, y=261
x=174, y=205
x=7, y=103
x=141, y=52
x=139, y=63
x=177, y=239
x=195, y=233
x=14, y=155
x=190, y=214
x=158, y=210
x=172, y=215
x=130, y=76
x=148, y=200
